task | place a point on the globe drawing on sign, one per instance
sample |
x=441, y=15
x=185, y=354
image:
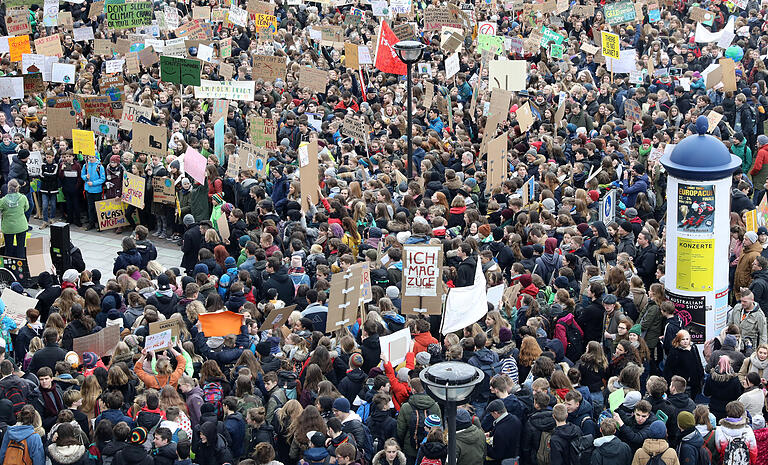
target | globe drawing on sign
x=259, y=164
x=113, y=94
x=104, y=129
x=167, y=183
x=76, y=105
x=66, y=79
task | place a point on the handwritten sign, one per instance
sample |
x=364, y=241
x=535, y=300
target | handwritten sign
x=111, y=214
x=180, y=70
x=83, y=142
x=152, y=140
x=133, y=190
x=122, y=15
x=158, y=341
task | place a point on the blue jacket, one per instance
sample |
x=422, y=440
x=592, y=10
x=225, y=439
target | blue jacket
x=235, y=425
x=34, y=443
x=98, y=176
x=115, y=416
x=630, y=192
x=437, y=125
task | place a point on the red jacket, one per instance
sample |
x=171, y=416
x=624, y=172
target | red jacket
x=400, y=391
x=760, y=159
x=421, y=341
x=560, y=329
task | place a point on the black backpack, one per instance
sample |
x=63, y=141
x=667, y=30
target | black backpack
x=656, y=459
x=380, y=277
x=581, y=450
x=418, y=417
x=575, y=340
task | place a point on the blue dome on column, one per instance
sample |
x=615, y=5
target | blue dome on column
x=701, y=157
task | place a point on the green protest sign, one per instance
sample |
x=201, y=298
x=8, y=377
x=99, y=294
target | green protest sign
x=556, y=51
x=548, y=35
x=121, y=15
x=180, y=70
x=491, y=43
x=619, y=13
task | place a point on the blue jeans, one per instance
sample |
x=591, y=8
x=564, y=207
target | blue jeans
x=31, y=202
x=49, y=206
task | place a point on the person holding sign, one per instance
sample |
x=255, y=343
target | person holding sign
x=165, y=373
x=94, y=176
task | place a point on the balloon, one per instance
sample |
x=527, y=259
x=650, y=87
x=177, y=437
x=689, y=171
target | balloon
x=734, y=52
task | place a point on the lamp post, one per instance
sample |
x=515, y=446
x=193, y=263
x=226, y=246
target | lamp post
x=409, y=52
x=452, y=382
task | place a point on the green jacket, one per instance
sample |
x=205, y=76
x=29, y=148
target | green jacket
x=652, y=323
x=752, y=325
x=470, y=446
x=405, y=431
x=745, y=154
x=12, y=208
x=195, y=202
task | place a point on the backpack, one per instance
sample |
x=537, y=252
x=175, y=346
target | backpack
x=17, y=453
x=581, y=450
x=657, y=459
x=364, y=411
x=428, y=461
x=542, y=454
x=287, y=380
x=736, y=452
x=213, y=393
x=575, y=341
x=417, y=425
x=380, y=277
x=14, y=394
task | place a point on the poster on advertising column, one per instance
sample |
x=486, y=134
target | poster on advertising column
x=695, y=208
x=422, y=285
x=692, y=313
x=695, y=264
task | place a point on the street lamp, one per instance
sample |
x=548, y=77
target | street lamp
x=410, y=52
x=452, y=382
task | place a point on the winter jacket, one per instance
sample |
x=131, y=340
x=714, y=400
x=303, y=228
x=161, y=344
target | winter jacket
x=194, y=400
x=465, y=273
x=743, y=276
x=195, y=202
x=49, y=181
x=753, y=401
x=400, y=391
x=133, y=454
x=685, y=363
x=352, y=383
x=165, y=455
x=421, y=341
x=653, y=447
x=158, y=381
x=433, y=451
x=422, y=403
x=12, y=209
x=47, y=357
x=740, y=202
x=147, y=250
x=235, y=424
x=752, y=323
x=506, y=438
x=634, y=434
x=96, y=175
x=560, y=445
x=539, y=422
x=729, y=429
x=721, y=388
x=72, y=331
x=484, y=359
x=590, y=319
x=759, y=170
x=371, y=350
x=610, y=450
x=20, y=173
x=126, y=258
x=737, y=358
x=470, y=446
x=282, y=283
x=639, y=185
x=68, y=455
x=25, y=433
x=561, y=331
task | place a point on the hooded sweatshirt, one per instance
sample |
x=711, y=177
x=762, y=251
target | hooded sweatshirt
x=12, y=207
x=34, y=443
x=731, y=428
x=611, y=450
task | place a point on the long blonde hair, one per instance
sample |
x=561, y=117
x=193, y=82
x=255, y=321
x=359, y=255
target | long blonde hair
x=91, y=392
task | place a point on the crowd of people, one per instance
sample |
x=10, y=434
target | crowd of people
x=585, y=362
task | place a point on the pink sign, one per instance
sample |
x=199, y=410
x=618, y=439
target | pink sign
x=194, y=165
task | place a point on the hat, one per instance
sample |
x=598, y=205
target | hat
x=114, y=159
x=751, y=235
x=23, y=154
x=631, y=399
x=423, y=358
x=374, y=233
x=685, y=420
x=636, y=329
x=186, y=183
x=526, y=280
x=218, y=197
x=594, y=195
x=549, y=204
x=485, y=229
x=90, y=359
x=730, y=340
x=505, y=334
x=70, y=276
x=561, y=282
x=496, y=405
x=432, y=421
x=637, y=128
x=243, y=240
x=393, y=292
x=341, y=404
x=696, y=74
x=295, y=261
x=201, y=268
x=317, y=438
x=356, y=360
x=630, y=213
x=264, y=348
x=657, y=430
x=228, y=207
x=404, y=374
x=463, y=419
x=229, y=262
x=163, y=283
x=189, y=220
x=659, y=121
x=626, y=226
x=138, y=435
x=758, y=422
x=609, y=299
x=762, y=230
x=762, y=139
x=472, y=182
x=623, y=134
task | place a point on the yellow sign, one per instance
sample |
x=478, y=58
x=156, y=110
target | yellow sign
x=695, y=264
x=266, y=22
x=83, y=142
x=610, y=44
x=750, y=218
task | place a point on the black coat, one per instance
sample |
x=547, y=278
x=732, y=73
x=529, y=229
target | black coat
x=506, y=439
x=73, y=330
x=560, y=442
x=590, y=319
x=21, y=346
x=759, y=287
x=192, y=241
x=352, y=383
x=282, y=283
x=47, y=357
x=126, y=258
x=164, y=304
x=645, y=263
x=371, y=349
x=19, y=172
x=465, y=273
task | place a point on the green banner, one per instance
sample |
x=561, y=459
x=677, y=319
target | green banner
x=619, y=13
x=180, y=70
x=491, y=43
x=121, y=15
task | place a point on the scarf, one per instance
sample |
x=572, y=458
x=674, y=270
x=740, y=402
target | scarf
x=755, y=365
x=52, y=401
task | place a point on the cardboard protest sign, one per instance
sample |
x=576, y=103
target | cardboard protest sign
x=507, y=74
x=103, y=47
x=350, y=58
x=422, y=287
x=163, y=191
x=18, y=46
x=263, y=132
x=17, y=22
x=180, y=70
x=525, y=117
x=102, y=343
x=315, y=79
x=619, y=12
x=490, y=42
x=38, y=252
x=395, y=346
x=308, y=173
x=700, y=15
x=728, y=68
x=133, y=189
x=354, y=128
x=253, y=159
x=497, y=162
x=49, y=46
x=152, y=140
x=158, y=341
x=344, y=298
x=266, y=23
x=111, y=214
x=16, y=306
x=122, y=15
x=268, y=67
x=452, y=65
x=220, y=324
x=84, y=33
x=172, y=324
x=131, y=114
x=83, y=142
x=277, y=318
x=713, y=119
x=61, y=122
x=148, y=57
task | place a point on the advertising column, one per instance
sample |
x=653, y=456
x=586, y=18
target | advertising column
x=698, y=232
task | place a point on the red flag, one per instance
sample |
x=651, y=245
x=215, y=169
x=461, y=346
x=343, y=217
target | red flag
x=386, y=56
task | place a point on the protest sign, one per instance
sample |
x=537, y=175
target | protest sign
x=308, y=173
x=315, y=79
x=194, y=164
x=713, y=119
x=221, y=323
x=148, y=57
x=263, y=132
x=111, y=214
x=131, y=114
x=16, y=306
x=180, y=70
x=35, y=166
x=350, y=58
x=632, y=110
x=507, y=74
x=556, y=51
x=17, y=22
x=750, y=220
x=395, y=346
x=230, y=90
x=488, y=42
x=584, y=11
x=102, y=343
x=104, y=127
x=12, y=87
x=452, y=65
x=354, y=128
x=133, y=189
x=172, y=324
x=122, y=15
x=18, y=46
x=268, y=67
x=63, y=72
x=103, y=47
x=700, y=15
x=619, y=12
x=50, y=13
x=84, y=33
x=610, y=44
x=114, y=66
x=421, y=270
x=265, y=23
x=38, y=249
x=158, y=341
x=497, y=161
x=83, y=142
x=277, y=318
x=152, y=140
x=49, y=46
x=344, y=298
x=61, y=122
x=525, y=117
x=163, y=191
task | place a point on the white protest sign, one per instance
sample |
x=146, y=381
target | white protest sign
x=238, y=16
x=115, y=66
x=83, y=33
x=364, y=55
x=63, y=72
x=12, y=87
x=205, y=53
x=495, y=294
x=422, y=270
x=35, y=164
x=158, y=341
x=451, y=65
x=396, y=346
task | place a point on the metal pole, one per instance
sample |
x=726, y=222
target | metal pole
x=411, y=171
x=450, y=418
